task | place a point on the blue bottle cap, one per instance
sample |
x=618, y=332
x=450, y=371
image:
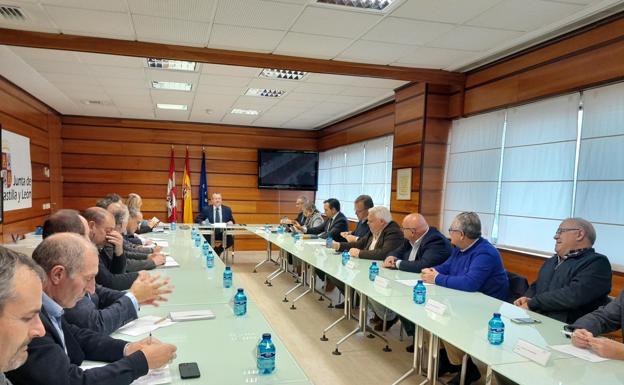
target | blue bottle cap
x=240, y=290
x=266, y=336
x=497, y=314
x=374, y=264
x=419, y=281
x=228, y=268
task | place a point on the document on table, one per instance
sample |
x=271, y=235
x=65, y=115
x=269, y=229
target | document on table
x=411, y=282
x=153, y=377
x=584, y=354
x=144, y=325
x=169, y=262
x=160, y=243
x=191, y=315
x=315, y=241
x=220, y=225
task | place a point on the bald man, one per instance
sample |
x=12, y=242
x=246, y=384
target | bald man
x=423, y=246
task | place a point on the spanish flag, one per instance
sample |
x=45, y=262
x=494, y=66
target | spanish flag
x=187, y=201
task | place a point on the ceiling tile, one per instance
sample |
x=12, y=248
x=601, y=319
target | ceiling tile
x=256, y=13
x=473, y=38
x=363, y=91
x=98, y=5
x=139, y=83
x=220, y=90
x=525, y=15
x=161, y=30
x=214, y=101
x=202, y=116
x=51, y=55
x=446, y=11
x=116, y=72
x=313, y=46
x=172, y=97
x=306, y=97
x=127, y=91
x=317, y=88
x=406, y=31
x=171, y=114
x=172, y=76
x=134, y=113
x=275, y=84
x=219, y=69
x=126, y=101
x=58, y=67
x=255, y=103
x=331, y=22
x=92, y=23
x=242, y=38
x=438, y=58
x=294, y=105
x=36, y=18
x=194, y=10
x=329, y=79
x=377, y=82
x=242, y=120
x=332, y=108
x=374, y=52
x=218, y=80
x=110, y=60
x=70, y=79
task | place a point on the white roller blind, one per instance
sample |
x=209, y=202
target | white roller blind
x=600, y=184
x=361, y=168
x=537, y=177
x=473, y=168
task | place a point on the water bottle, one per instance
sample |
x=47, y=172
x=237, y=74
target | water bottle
x=267, y=228
x=373, y=271
x=210, y=259
x=280, y=229
x=329, y=241
x=420, y=293
x=227, y=277
x=205, y=248
x=266, y=355
x=197, y=241
x=172, y=226
x=297, y=237
x=345, y=258
x=240, y=303
x=496, y=330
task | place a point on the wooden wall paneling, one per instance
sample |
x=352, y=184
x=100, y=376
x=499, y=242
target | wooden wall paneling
x=411, y=206
x=56, y=163
x=416, y=175
x=409, y=91
x=359, y=119
x=407, y=156
x=372, y=129
x=154, y=177
x=410, y=109
x=408, y=133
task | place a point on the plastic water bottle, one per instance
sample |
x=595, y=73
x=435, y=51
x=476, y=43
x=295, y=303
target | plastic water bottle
x=197, y=241
x=173, y=226
x=329, y=241
x=205, y=248
x=420, y=293
x=227, y=277
x=297, y=237
x=210, y=259
x=267, y=228
x=240, y=303
x=266, y=355
x=373, y=271
x=280, y=229
x=345, y=258
x=496, y=330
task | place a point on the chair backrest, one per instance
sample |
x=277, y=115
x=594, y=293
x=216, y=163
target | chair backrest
x=518, y=285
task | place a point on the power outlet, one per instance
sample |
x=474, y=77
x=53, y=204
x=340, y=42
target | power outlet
x=46, y=206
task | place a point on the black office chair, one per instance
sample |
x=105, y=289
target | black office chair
x=518, y=285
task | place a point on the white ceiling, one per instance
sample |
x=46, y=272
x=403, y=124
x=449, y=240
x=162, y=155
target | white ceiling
x=440, y=34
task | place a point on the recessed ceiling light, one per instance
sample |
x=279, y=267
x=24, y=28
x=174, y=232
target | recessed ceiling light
x=175, y=86
x=267, y=93
x=178, y=65
x=95, y=102
x=240, y=111
x=178, y=107
x=374, y=5
x=272, y=73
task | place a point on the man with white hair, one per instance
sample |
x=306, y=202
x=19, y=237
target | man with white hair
x=384, y=237
x=20, y=303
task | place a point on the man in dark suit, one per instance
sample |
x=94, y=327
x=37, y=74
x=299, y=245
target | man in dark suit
x=112, y=268
x=361, y=205
x=20, y=302
x=71, y=263
x=217, y=213
x=423, y=246
x=335, y=222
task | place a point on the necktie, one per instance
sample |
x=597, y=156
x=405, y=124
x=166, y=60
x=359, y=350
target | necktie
x=218, y=217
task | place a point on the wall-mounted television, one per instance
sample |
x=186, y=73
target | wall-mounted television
x=288, y=170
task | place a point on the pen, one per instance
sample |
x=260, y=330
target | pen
x=567, y=333
x=161, y=320
x=150, y=338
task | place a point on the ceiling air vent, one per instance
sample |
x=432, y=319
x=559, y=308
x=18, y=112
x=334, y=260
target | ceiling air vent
x=12, y=13
x=267, y=93
x=371, y=5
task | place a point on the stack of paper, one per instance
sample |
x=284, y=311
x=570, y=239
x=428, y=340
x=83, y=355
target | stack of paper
x=584, y=354
x=153, y=376
x=191, y=315
x=144, y=325
x=169, y=262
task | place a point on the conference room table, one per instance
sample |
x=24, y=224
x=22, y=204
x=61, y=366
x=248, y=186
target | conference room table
x=224, y=347
x=463, y=322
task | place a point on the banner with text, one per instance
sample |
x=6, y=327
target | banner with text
x=16, y=171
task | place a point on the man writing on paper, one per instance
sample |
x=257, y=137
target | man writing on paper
x=20, y=303
x=573, y=282
x=217, y=213
x=361, y=205
x=474, y=265
x=105, y=310
x=71, y=263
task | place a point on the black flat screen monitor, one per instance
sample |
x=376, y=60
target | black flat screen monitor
x=288, y=170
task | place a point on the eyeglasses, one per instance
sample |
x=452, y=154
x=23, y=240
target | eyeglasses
x=565, y=229
x=450, y=230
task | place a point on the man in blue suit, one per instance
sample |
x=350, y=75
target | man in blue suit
x=217, y=213
x=71, y=263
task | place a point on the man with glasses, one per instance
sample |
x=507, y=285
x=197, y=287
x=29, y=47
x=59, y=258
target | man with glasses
x=361, y=205
x=474, y=265
x=573, y=282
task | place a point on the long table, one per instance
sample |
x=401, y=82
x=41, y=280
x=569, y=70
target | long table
x=463, y=324
x=224, y=347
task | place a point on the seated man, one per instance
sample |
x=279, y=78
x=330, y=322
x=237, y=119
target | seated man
x=20, y=303
x=112, y=269
x=217, y=213
x=311, y=218
x=474, y=265
x=71, y=263
x=603, y=320
x=423, y=247
x=361, y=205
x=105, y=310
x=335, y=222
x=300, y=218
x=573, y=282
